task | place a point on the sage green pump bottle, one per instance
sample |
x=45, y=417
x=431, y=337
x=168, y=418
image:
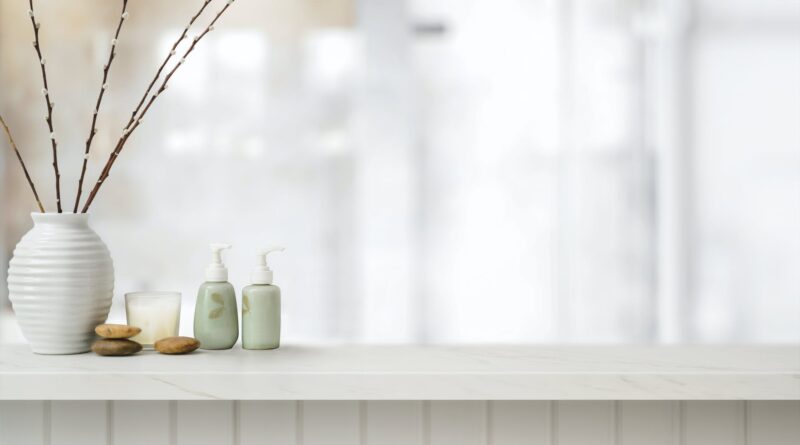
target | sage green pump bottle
x=261, y=307
x=216, y=319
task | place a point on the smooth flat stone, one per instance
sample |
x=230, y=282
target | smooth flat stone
x=176, y=345
x=115, y=347
x=116, y=330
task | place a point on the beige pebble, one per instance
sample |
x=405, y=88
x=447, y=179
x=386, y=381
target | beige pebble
x=176, y=345
x=115, y=347
x=116, y=330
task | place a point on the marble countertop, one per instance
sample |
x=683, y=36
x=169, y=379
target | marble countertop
x=297, y=372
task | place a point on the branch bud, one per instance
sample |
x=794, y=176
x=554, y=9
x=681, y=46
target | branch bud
x=113, y=42
x=44, y=91
x=124, y=15
x=210, y=28
x=53, y=135
x=37, y=25
x=30, y=13
x=105, y=85
x=43, y=61
x=172, y=53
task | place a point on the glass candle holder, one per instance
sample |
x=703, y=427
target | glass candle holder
x=158, y=314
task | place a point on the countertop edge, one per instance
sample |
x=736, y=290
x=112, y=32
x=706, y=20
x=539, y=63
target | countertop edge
x=366, y=386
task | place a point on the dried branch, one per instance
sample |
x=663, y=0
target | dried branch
x=21, y=163
x=50, y=104
x=166, y=60
x=135, y=120
x=103, y=85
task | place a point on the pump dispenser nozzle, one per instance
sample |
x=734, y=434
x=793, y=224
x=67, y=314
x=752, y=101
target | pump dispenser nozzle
x=216, y=271
x=262, y=274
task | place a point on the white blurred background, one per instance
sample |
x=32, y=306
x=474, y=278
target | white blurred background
x=449, y=171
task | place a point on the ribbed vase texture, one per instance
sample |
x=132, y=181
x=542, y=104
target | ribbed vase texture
x=60, y=283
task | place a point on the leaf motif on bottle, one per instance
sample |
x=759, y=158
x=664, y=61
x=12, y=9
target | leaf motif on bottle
x=217, y=298
x=245, y=305
x=216, y=313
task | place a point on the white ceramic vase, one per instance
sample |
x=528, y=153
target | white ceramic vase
x=60, y=283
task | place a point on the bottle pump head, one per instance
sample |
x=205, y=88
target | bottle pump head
x=216, y=271
x=262, y=274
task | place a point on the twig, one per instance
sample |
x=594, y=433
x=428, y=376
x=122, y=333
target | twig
x=50, y=104
x=164, y=63
x=103, y=86
x=22, y=163
x=133, y=124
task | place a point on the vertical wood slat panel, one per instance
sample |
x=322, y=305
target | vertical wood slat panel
x=267, y=422
x=773, y=422
x=648, y=422
x=205, y=423
x=331, y=423
x=394, y=423
x=520, y=422
x=462, y=422
x=713, y=423
x=141, y=422
x=388, y=423
x=23, y=422
x=585, y=422
x=82, y=422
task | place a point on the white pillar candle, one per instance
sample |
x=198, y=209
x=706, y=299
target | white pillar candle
x=156, y=313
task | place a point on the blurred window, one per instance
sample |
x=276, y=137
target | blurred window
x=445, y=171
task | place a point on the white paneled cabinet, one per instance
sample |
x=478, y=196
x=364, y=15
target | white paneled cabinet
x=400, y=422
x=269, y=422
x=652, y=422
x=25, y=422
x=579, y=423
x=330, y=423
x=710, y=422
x=210, y=423
x=84, y=422
x=458, y=422
x=519, y=422
x=776, y=423
x=395, y=422
x=135, y=422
